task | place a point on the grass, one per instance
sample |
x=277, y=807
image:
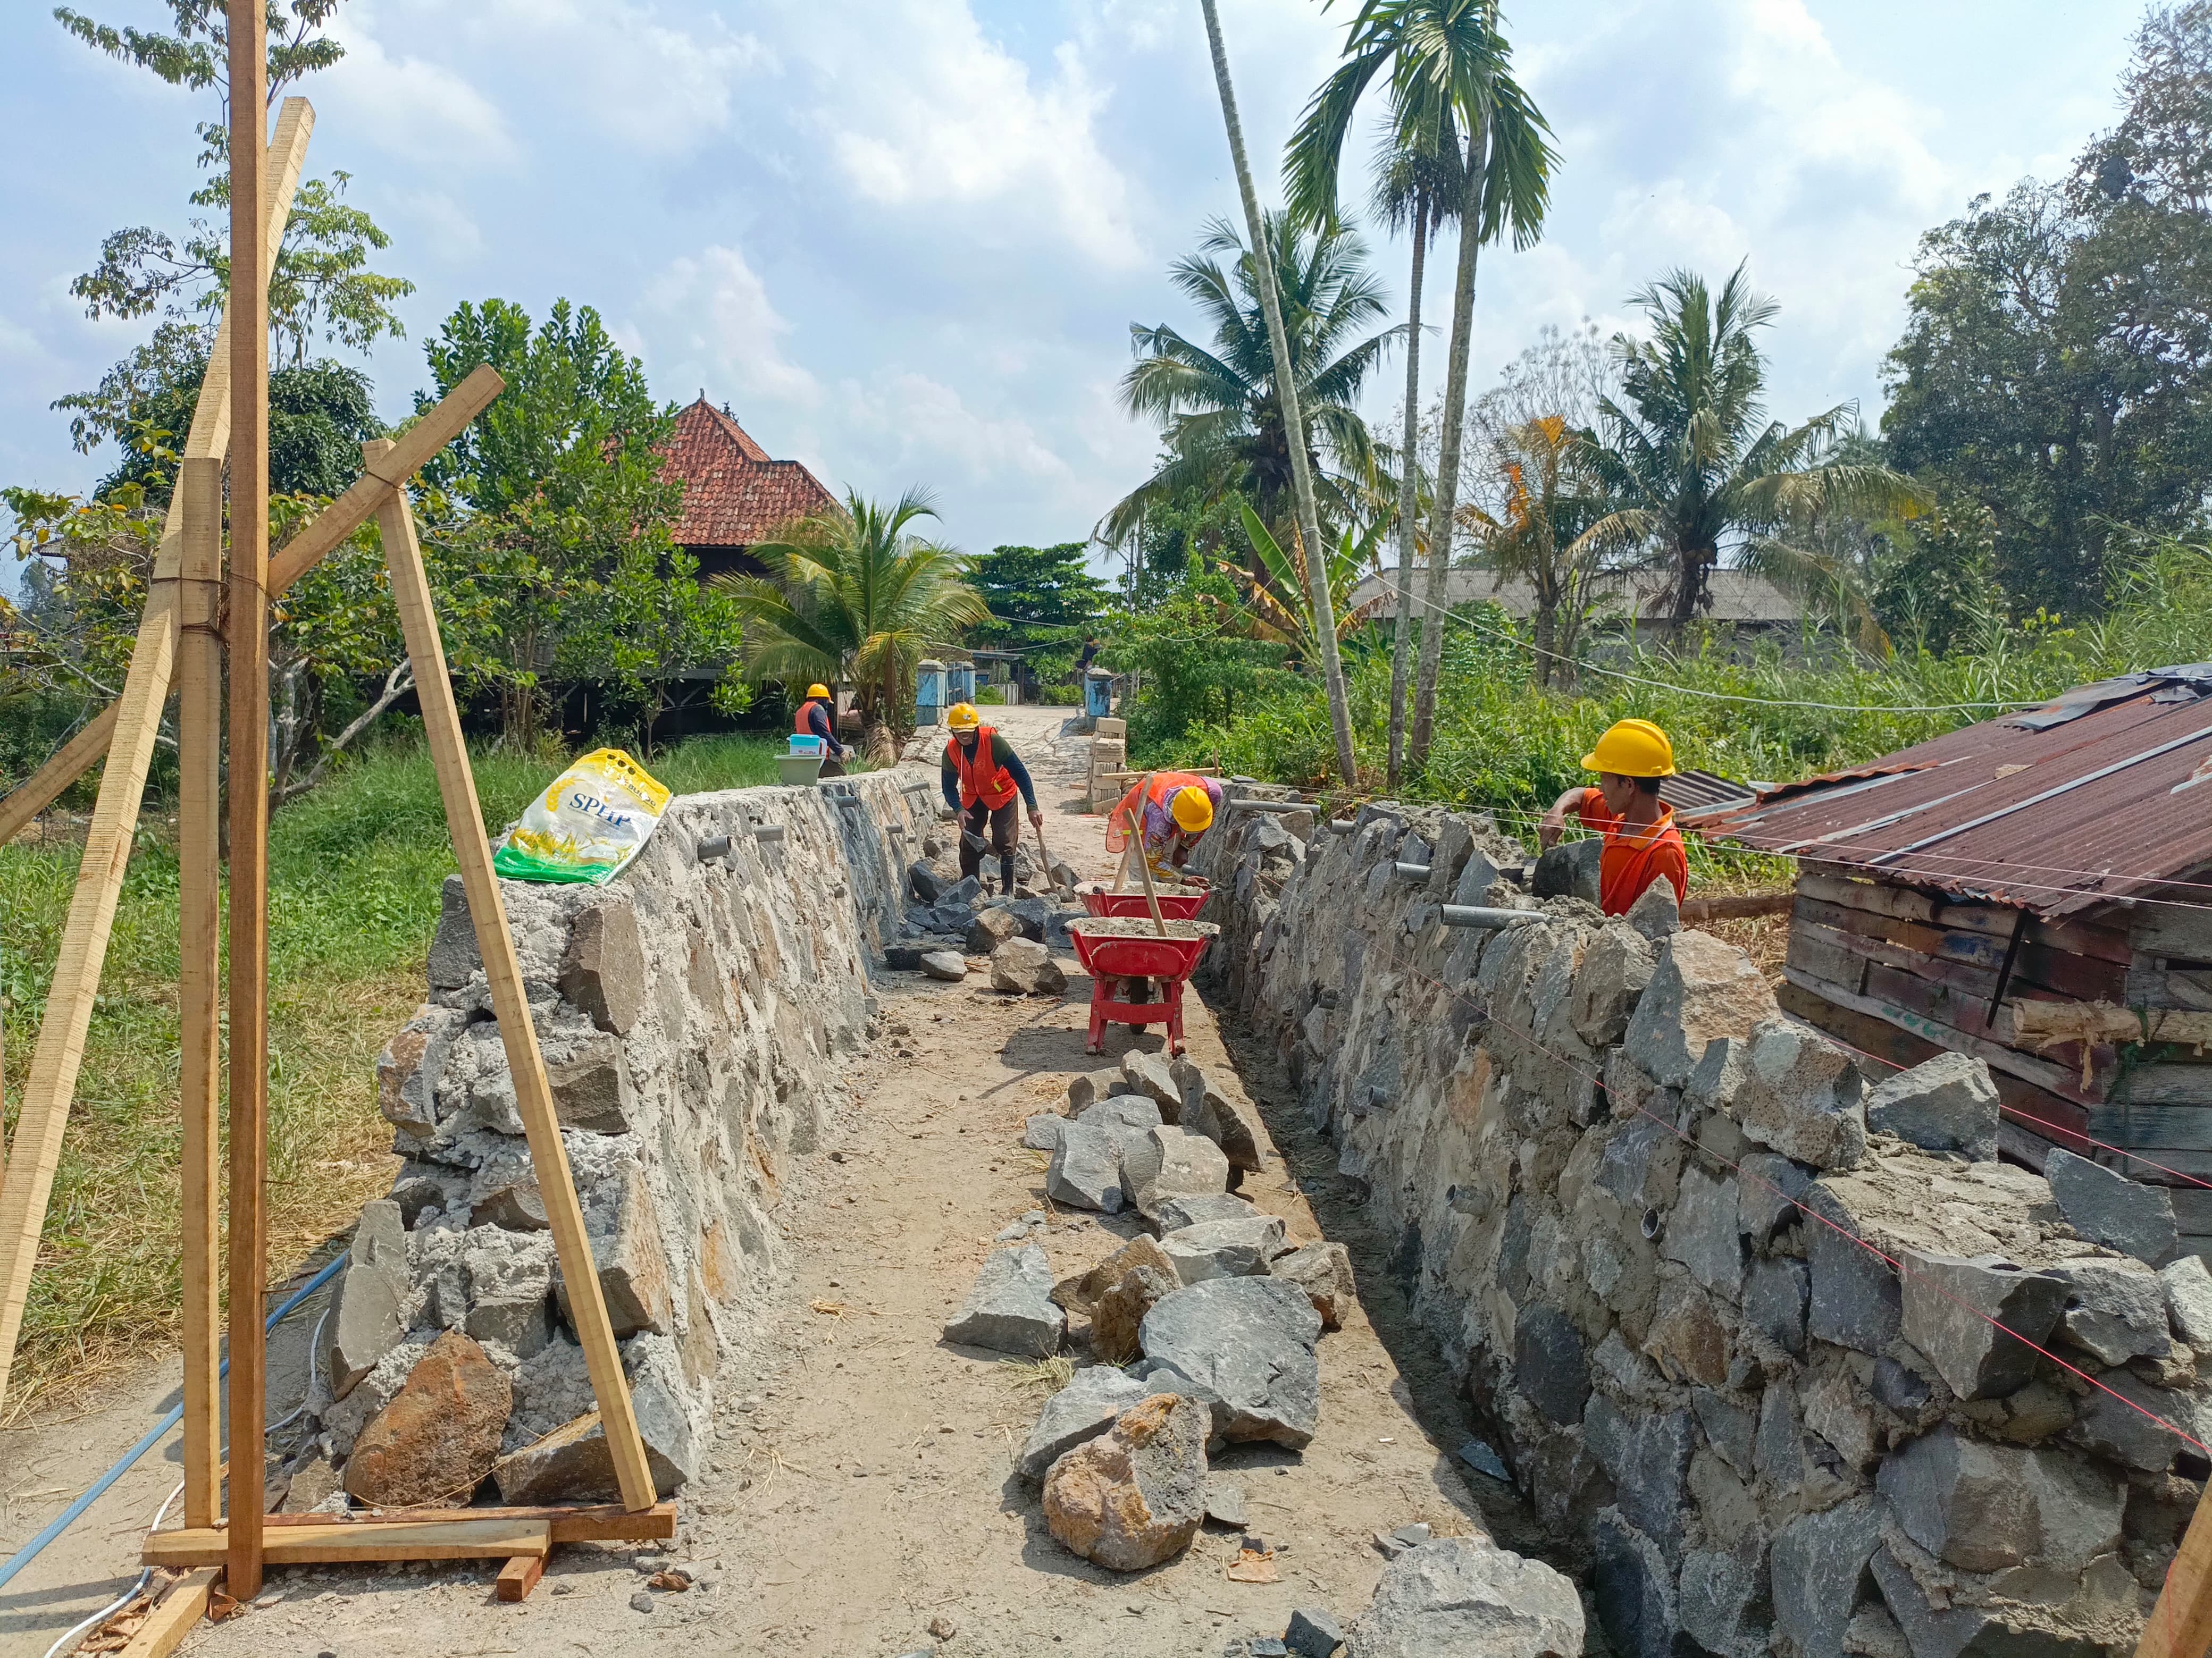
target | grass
x=355, y=872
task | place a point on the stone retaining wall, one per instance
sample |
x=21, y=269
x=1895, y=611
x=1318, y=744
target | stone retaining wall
x=1622, y=1184
x=691, y=1013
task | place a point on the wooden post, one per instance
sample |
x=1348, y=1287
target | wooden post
x=44, y=786
x=2180, y=1624
x=533, y=1097
x=51, y=1082
x=248, y=314
x=199, y=897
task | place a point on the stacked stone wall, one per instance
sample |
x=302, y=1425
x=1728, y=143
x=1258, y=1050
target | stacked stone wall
x=1629, y=1197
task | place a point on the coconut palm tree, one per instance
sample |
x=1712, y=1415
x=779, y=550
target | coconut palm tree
x=1449, y=74
x=1543, y=530
x=1225, y=429
x=1286, y=394
x=1697, y=469
x=851, y=592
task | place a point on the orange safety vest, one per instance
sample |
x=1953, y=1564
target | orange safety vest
x=982, y=778
x=1127, y=815
x=799, y=722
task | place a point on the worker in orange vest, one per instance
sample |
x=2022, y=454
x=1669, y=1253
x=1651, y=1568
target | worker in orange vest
x=817, y=717
x=1178, y=807
x=980, y=776
x=1642, y=844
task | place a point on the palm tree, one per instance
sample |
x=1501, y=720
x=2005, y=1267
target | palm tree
x=1225, y=434
x=1695, y=464
x=852, y=594
x=1448, y=80
x=1545, y=530
x=1286, y=393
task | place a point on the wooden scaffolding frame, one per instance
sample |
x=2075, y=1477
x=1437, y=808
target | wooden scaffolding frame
x=186, y=634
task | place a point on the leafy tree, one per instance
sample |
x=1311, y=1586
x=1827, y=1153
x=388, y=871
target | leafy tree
x=1224, y=427
x=1196, y=665
x=1695, y=468
x=2057, y=362
x=1448, y=68
x=852, y=592
x=1935, y=585
x=1542, y=528
x=322, y=284
x=1043, y=600
x=1279, y=608
x=1179, y=533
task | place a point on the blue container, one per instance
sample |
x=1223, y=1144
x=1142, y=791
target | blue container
x=1097, y=693
x=929, y=702
x=959, y=683
x=805, y=745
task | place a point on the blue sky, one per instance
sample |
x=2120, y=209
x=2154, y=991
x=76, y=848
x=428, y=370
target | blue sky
x=905, y=238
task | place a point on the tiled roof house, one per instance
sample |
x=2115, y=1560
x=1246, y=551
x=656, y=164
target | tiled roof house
x=734, y=494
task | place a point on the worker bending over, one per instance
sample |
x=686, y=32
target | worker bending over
x=980, y=777
x=1641, y=841
x=1178, y=807
x=817, y=717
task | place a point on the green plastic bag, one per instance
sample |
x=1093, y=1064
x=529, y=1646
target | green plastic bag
x=597, y=816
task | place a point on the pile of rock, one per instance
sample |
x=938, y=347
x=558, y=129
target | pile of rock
x=1154, y=1129
x=1654, y=1222
x=950, y=918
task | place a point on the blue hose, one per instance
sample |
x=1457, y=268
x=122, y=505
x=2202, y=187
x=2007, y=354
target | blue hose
x=62, y=1521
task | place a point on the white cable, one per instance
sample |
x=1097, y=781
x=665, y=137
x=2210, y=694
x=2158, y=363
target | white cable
x=127, y=1596
x=314, y=1346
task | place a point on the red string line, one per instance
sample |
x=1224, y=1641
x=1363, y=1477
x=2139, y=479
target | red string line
x=1902, y=1271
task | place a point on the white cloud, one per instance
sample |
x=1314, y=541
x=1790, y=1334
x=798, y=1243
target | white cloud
x=415, y=108
x=719, y=309
x=931, y=427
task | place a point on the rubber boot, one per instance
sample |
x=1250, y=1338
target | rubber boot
x=1006, y=874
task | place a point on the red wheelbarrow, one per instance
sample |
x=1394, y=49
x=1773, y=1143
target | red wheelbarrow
x=1111, y=956
x=1174, y=906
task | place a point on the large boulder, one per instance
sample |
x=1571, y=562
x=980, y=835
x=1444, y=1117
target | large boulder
x=1081, y=1411
x=1464, y=1597
x=1609, y=983
x=1817, y=1562
x=1249, y=1342
x=1136, y=1495
x=2117, y=1309
x=1117, y=1317
x=604, y=971
x=1983, y=1507
x=1021, y=967
x=1224, y=1248
x=1169, y=1163
x=990, y=929
x=1085, y=1170
x=365, y=1313
x=1700, y=990
x=1948, y=1103
x=437, y=1439
x=1949, y=1304
x=1011, y=1309
x=2106, y=1207
x=1788, y=1087
x=1324, y=1271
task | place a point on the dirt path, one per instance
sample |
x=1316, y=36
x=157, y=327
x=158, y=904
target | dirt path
x=861, y=1499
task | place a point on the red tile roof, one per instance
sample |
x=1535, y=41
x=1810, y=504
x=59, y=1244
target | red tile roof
x=733, y=494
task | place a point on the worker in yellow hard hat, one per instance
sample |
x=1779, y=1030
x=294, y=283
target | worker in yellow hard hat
x=817, y=717
x=1642, y=844
x=980, y=776
x=1178, y=807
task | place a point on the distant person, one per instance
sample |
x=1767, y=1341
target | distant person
x=1641, y=841
x=817, y=717
x=980, y=776
x=1089, y=651
x=1179, y=806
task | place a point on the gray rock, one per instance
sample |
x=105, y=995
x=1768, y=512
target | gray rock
x=1799, y=1093
x=961, y=895
x=1091, y=1086
x=1175, y=1213
x=1153, y=1076
x=1776, y=1298
x=1250, y=1340
x=1568, y=869
x=1085, y=1171
x=604, y=971
x=1324, y=1271
x=1224, y=1248
x=1658, y=914
x=948, y=965
x=1313, y=1633
x=1121, y=1110
x=1948, y=1103
x=1918, y=1626
x=1166, y=1162
x=1767, y=1196
x=1941, y=1301
x=990, y=929
x=1900, y=1388
x=2139, y=1427
x=2116, y=1309
x=1633, y=1588
x=1135, y=1496
x=510, y=1280
x=626, y=1244
x=1042, y=1132
x=1549, y=1369
x=1648, y=1454
x=2189, y=1300
x=1817, y=1562
x=1224, y=1502
x=593, y=1090
x=1022, y=966
x=1484, y=1460
x=1723, y=1598
x=1700, y=990
x=1729, y=1426
x=1083, y=1410
x=2106, y=1207
x=454, y=958
x=1035, y=914
x=365, y=1310
x=903, y=959
x=408, y=1070
x=1701, y=1231
x=1613, y=972
x=1983, y=1507
x=1466, y=1596
x=928, y=886
x=1011, y=1309
x=1855, y=1301
x=1395, y=1543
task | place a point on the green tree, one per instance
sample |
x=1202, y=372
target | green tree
x=1043, y=601
x=1543, y=529
x=1693, y=466
x=852, y=592
x=1448, y=68
x=1279, y=609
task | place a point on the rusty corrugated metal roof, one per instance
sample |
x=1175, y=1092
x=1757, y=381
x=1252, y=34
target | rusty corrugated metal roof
x=1690, y=790
x=2057, y=810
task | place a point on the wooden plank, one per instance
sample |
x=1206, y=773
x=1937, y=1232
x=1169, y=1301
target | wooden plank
x=174, y=1615
x=388, y=1539
x=600, y=1522
x=200, y=898
x=1993, y=921
x=1974, y=948
x=2085, y=978
x=2143, y=1127
x=328, y=530
x=247, y=312
x=26, y=1180
x=518, y=1577
x=2172, y=929
x=442, y=724
x=2180, y=1624
x=1972, y=980
x=1822, y=951
x=1735, y=907
x=44, y=786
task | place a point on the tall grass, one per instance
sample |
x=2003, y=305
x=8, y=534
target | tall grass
x=355, y=872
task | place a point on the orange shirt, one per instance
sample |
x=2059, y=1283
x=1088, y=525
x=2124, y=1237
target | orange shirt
x=1634, y=857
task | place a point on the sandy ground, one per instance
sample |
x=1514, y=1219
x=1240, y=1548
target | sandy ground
x=862, y=1490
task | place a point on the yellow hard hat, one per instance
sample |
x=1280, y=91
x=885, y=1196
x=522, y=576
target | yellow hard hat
x=818, y=690
x=1632, y=748
x=962, y=717
x=1192, y=810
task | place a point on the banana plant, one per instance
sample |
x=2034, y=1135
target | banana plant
x=1278, y=609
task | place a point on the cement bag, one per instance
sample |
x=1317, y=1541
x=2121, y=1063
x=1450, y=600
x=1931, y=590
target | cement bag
x=596, y=817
